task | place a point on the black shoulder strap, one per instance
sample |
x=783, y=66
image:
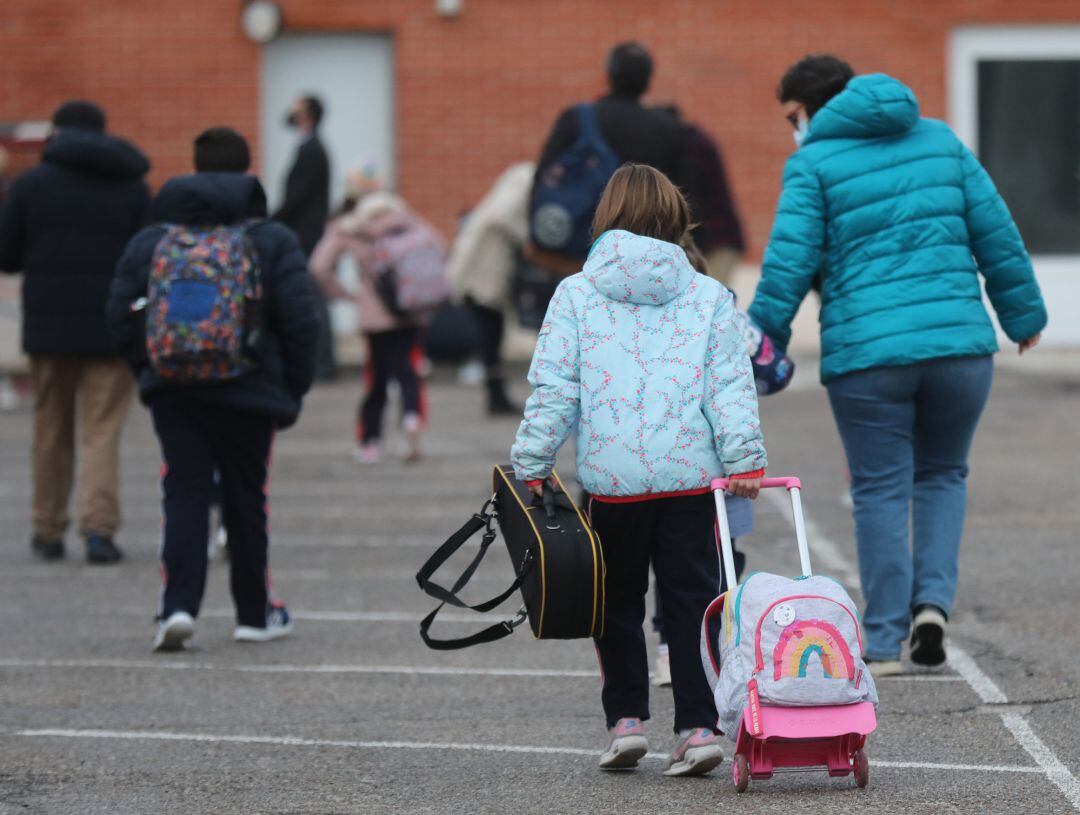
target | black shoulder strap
x=480, y=521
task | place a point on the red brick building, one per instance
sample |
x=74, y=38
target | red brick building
x=475, y=91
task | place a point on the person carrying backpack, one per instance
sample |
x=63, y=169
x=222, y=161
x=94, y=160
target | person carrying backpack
x=643, y=360
x=401, y=259
x=215, y=311
x=586, y=145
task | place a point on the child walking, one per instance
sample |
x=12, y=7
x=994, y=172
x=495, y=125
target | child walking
x=642, y=357
x=393, y=335
x=214, y=310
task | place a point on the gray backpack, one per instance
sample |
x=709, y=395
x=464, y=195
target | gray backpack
x=786, y=642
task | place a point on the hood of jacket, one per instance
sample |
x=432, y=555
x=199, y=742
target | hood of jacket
x=631, y=268
x=870, y=107
x=374, y=212
x=96, y=153
x=209, y=198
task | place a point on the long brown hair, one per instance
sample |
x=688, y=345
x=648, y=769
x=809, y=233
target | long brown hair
x=641, y=199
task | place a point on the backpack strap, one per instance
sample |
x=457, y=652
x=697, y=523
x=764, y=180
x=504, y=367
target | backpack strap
x=588, y=126
x=480, y=521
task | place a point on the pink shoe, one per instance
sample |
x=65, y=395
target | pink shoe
x=697, y=753
x=368, y=453
x=626, y=747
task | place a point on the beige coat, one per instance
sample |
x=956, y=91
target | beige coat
x=482, y=258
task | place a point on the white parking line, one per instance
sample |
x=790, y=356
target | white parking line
x=831, y=555
x=407, y=670
x=296, y=741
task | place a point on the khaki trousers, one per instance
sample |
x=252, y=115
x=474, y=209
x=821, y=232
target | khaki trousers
x=95, y=393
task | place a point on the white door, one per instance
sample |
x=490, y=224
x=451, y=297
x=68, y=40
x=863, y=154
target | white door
x=353, y=76
x=1014, y=98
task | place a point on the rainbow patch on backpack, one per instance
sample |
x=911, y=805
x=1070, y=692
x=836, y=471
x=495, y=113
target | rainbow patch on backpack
x=804, y=639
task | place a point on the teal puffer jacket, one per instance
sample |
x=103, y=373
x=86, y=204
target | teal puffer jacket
x=898, y=217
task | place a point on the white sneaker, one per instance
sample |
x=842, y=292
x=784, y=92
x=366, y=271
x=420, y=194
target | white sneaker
x=278, y=625
x=881, y=668
x=412, y=426
x=173, y=633
x=662, y=677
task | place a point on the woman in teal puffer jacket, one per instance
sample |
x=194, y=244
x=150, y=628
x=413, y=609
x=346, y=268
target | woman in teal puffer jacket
x=896, y=219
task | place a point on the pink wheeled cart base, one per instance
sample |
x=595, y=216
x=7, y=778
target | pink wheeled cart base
x=804, y=738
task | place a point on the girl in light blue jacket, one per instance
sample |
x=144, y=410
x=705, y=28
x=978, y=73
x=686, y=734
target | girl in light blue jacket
x=642, y=359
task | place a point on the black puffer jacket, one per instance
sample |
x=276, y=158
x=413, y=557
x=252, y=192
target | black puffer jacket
x=287, y=360
x=65, y=224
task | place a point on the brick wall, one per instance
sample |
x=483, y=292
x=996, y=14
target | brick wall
x=477, y=92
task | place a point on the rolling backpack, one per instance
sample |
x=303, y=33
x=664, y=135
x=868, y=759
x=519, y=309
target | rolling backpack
x=203, y=304
x=565, y=195
x=410, y=269
x=782, y=641
x=557, y=559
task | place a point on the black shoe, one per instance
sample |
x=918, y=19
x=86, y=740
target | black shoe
x=499, y=403
x=100, y=549
x=928, y=636
x=47, y=549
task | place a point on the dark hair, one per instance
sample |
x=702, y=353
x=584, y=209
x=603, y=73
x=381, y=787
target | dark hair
x=221, y=150
x=81, y=115
x=641, y=199
x=813, y=81
x=314, y=107
x=629, y=68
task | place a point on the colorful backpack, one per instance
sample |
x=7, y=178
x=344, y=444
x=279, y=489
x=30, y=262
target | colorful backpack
x=203, y=304
x=773, y=369
x=786, y=642
x=410, y=269
x=565, y=195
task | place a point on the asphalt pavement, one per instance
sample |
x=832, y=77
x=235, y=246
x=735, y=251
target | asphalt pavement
x=353, y=714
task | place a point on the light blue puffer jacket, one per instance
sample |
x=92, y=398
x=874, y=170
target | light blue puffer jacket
x=642, y=355
x=899, y=217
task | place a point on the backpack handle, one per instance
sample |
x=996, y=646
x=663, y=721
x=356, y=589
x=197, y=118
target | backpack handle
x=794, y=487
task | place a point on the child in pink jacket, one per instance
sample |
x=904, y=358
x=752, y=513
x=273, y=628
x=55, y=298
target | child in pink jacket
x=393, y=341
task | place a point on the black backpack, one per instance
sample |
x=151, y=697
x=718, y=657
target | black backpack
x=557, y=558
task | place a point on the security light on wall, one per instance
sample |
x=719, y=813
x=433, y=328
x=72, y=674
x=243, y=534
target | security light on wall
x=261, y=20
x=449, y=8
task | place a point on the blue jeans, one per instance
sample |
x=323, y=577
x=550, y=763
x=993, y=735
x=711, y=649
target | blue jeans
x=907, y=431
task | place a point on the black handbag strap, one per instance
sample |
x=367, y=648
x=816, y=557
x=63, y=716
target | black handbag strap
x=489, y=634
x=482, y=520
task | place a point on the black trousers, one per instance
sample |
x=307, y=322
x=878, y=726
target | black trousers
x=658, y=609
x=677, y=536
x=491, y=325
x=197, y=439
x=391, y=355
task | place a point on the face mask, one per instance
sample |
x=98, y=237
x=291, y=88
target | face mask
x=800, y=132
x=290, y=120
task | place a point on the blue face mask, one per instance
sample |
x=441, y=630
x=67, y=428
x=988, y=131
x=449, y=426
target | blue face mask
x=800, y=132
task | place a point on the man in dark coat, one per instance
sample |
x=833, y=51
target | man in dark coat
x=307, y=206
x=634, y=132
x=65, y=224
x=718, y=231
x=227, y=426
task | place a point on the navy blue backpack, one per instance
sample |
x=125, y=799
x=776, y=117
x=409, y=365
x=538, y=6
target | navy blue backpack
x=565, y=195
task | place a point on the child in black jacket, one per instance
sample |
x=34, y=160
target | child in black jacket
x=225, y=426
